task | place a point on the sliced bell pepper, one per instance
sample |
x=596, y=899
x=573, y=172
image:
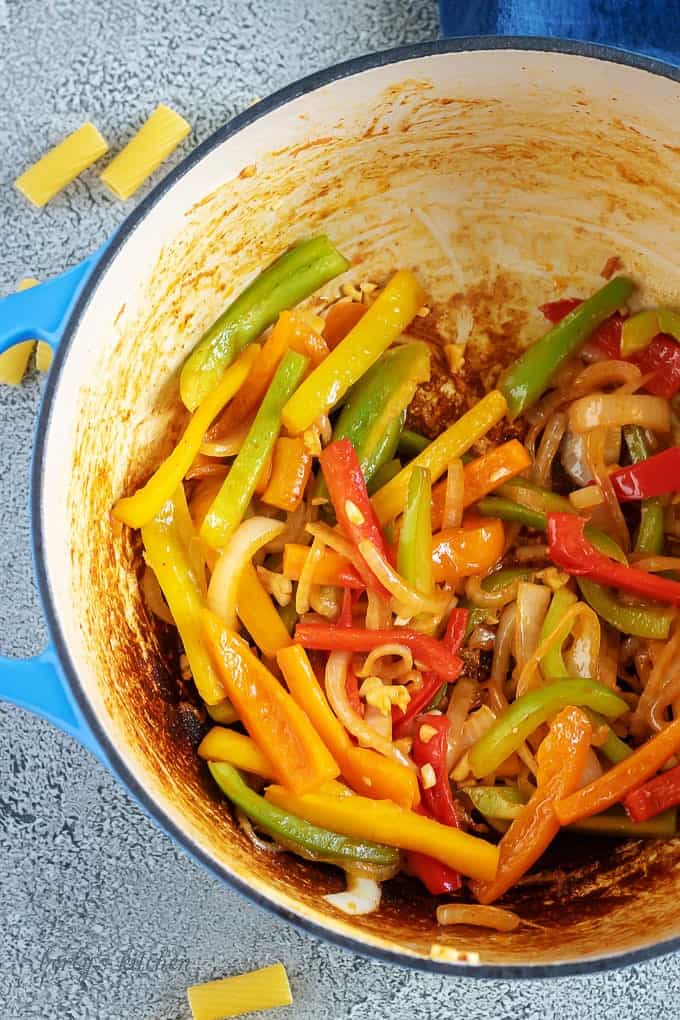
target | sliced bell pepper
x=525, y=382
x=414, y=554
x=650, y=536
x=552, y=663
x=412, y=443
x=138, y=509
x=456, y=629
x=434, y=654
x=655, y=796
x=570, y=550
x=622, y=779
x=231, y=502
x=404, y=722
x=463, y=552
x=256, y=612
x=298, y=835
x=530, y=711
x=429, y=749
x=290, y=279
x=385, y=473
x=437, y=878
x=459, y=437
x=515, y=513
x=365, y=770
x=561, y=759
x=166, y=554
x=639, y=330
x=382, y=323
x=508, y=575
x=299, y=757
x=332, y=569
x=356, y=816
x=291, y=467
x=353, y=509
x=640, y=621
x=482, y=475
x=660, y=359
x=222, y=744
x=655, y=476
x=341, y=318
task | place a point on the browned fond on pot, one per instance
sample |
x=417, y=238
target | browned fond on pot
x=529, y=211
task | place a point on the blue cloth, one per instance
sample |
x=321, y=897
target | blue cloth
x=651, y=27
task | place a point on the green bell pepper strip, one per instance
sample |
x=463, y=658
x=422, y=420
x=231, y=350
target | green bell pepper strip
x=525, y=381
x=614, y=749
x=414, y=553
x=504, y=803
x=545, y=499
x=476, y=617
x=552, y=663
x=288, y=615
x=412, y=443
x=502, y=578
x=290, y=279
x=383, y=475
x=640, y=621
x=230, y=504
x=528, y=712
x=321, y=844
x=373, y=414
x=639, y=330
x=650, y=533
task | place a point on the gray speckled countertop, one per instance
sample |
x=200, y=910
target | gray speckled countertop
x=102, y=917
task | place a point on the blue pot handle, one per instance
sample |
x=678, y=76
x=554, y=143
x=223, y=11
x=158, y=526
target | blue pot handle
x=38, y=684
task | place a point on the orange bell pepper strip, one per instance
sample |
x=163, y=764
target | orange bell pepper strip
x=290, y=470
x=616, y=782
x=463, y=552
x=300, y=760
x=561, y=759
x=341, y=318
x=256, y=612
x=386, y=822
x=222, y=744
x=365, y=770
x=332, y=569
x=482, y=475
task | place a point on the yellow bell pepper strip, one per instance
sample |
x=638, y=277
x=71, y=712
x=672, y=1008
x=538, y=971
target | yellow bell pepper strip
x=527, y=379
x=291, y=467
x=414, y=555
x=165, y=553
x=221, y=744
x=295, y=832
x=482, y=475
x=223, y=712
x=256, y=612
x=463, y=552
x=290, y=279
x=333, y=569
x=388, y=823
x=365, y=770
x=618, y=781
x=552, y=663
x=561, y=759
x=379, y=327
x=299, y=757
x=639, y=330
x=459, y=437
x=137, y=510
x=230, y=504
x=530, y=711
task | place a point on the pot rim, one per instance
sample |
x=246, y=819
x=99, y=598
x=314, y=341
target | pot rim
x=254, y=113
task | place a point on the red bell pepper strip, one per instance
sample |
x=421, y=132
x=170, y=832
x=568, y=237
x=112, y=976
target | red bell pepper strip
x=437, y=878
x=654, y=796
x=403, y=723
x=345, y=618
x=555, y=311
x=570, y=550
x=455, y=629
x=432, y=653
x=655, y=476
x=353, y=509
x=437, y=799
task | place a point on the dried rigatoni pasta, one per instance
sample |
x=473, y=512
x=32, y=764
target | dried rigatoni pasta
x=245, y=993
x=14, y=361
x=153, y=143
x=62, y=164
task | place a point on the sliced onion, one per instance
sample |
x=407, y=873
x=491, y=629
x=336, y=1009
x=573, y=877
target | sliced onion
x=483, y=638
x=250, y=536
x=530, y=676
x=550, y=444
x=295, y=526
x=457, y=713
x=153, y=597
x=592, y=769
x=276, y=585
x=362, y=896
x=334, y=540
x=304, y=587
x=654, y=564
x=481, y=917
x=500, y=666
x=453, y=500
x=378, y=613
x=482, y=599
x=336, y=691
x=582, y=658
x=661, y=689
x=387, y=670
x=379, y=721
x=596, y=455
x=606, y=409
x=532, y=605
x=409, y=600
x=225, y=446
x=268, y=846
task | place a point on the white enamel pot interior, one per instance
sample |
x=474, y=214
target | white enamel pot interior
x=504, y=176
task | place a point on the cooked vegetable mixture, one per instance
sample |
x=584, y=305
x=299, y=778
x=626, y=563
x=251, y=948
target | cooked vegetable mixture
x=425, y=654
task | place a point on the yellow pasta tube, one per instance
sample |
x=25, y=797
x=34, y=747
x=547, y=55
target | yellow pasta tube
x=153, y=143
x=14, y=361
x=246, y=993
x=61, y=165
